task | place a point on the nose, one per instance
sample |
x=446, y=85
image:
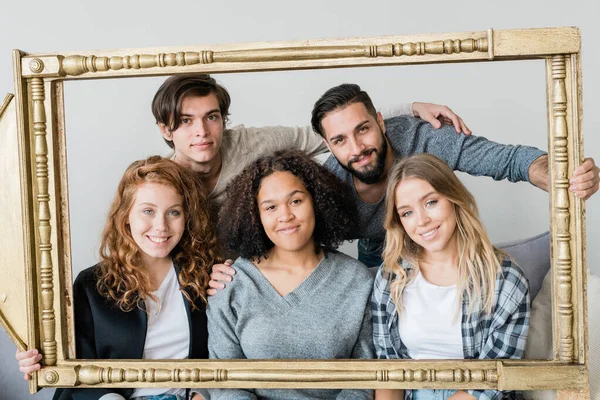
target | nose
x=161, y=223
x=423, y=217
x=285, y=214
x=201, y=128
x=356, y=146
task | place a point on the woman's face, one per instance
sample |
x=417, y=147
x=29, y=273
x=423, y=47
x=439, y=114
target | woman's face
x=286, y=212
x=427, y=217
x=156, y=220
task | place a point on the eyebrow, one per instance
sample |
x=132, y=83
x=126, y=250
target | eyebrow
x=154, y=205
x=421, y=199
x=356, y=128
x=286, y=196
x=216, y=110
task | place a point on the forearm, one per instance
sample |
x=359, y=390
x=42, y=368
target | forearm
x=269, y=139
x=462, y=395
x=389, y=394
x=538, y=173
x=474, y=155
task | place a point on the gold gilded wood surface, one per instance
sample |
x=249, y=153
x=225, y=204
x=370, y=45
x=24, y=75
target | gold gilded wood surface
x=319, y=53
x=583, y=394
x=27, y=205
x=560, y=46
x=44, y=227
x=64, y=293
x=580, y=324
x=562, y=235
x=484, y=374
x=5, y=103
x=77, y=65
x=13, y=309
x=567, y=232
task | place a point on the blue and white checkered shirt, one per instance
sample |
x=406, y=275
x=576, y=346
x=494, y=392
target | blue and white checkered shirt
x=501, y=334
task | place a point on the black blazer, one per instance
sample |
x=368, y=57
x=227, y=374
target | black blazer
x=103, y=330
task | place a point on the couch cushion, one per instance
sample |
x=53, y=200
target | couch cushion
x=533, y=256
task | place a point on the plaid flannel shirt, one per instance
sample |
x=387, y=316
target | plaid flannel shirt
x=501, y=334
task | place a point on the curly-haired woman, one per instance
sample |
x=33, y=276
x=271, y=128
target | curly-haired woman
x=293, y=295
x=146, y=298
x=443, y=291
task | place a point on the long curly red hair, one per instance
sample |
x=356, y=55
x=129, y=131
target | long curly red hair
x=121, y=276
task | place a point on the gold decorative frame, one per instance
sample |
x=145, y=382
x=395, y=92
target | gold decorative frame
x=35, y=273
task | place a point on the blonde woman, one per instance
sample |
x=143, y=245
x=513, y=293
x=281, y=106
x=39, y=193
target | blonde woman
x=443, y=291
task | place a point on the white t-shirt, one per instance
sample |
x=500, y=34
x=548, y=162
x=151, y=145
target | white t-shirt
x=168, y=334
x=429, y=325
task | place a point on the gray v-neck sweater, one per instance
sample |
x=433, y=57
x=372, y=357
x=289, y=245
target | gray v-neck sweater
x=327, y=316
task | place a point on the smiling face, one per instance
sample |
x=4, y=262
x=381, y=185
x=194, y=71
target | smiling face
x=357, y=140
x=286, y=212
x=198, y=138
x=427, y=217
x=156, y=220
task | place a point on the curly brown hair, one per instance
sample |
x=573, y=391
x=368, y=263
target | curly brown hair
x=240, y=227
x=121, y=275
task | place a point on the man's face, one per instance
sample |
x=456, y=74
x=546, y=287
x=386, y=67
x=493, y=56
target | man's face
x=198, y=138
x=357, y=140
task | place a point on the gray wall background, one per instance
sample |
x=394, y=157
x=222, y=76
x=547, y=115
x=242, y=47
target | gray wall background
x=109, y=123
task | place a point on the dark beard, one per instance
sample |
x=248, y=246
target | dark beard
x=373, y=174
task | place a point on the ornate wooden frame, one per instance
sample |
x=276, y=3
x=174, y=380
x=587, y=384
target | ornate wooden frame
x=35, y=303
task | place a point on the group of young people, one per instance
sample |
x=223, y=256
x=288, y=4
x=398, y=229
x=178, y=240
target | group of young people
x=162, y=291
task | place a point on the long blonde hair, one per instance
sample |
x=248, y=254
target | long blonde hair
x=122, y=277
x=479, y=262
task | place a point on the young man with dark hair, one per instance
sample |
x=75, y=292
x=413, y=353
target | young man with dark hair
x=192, y=112
x=364, y=147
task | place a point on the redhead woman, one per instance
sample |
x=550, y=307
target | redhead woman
x=146, y=298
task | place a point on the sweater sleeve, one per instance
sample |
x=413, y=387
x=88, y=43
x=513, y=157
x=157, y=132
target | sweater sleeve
x=364, y=345
x=223, y=342
x=400, y=109
x=362, y=349
x=274, y=138
x=472, y=154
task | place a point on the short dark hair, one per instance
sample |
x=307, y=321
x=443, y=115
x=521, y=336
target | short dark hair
x=240, y=227
x=339, y=97
x=166, y=105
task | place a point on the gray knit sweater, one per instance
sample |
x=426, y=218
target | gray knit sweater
x=474, y=155
x=327, y=316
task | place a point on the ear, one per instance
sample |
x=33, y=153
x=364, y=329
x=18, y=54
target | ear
x=380, y=121
x=165, y=131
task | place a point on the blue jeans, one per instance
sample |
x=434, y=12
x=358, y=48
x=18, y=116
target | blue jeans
x=432, y=394
x=158, y=397
x=369, y=252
